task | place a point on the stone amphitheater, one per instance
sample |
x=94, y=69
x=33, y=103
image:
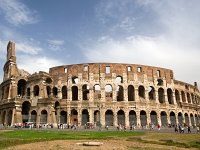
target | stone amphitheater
x=100, y=93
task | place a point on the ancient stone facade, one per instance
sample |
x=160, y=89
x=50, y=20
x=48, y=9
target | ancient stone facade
x=106, y=93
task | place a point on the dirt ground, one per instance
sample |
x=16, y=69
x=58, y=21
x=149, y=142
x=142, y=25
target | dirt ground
x=116, y=144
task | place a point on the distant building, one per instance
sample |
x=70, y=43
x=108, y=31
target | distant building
x=105, y=93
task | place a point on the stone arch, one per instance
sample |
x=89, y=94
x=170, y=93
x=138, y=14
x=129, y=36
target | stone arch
x=55, y=92
x=21, y=87
x=63, y=117
x=74, y=117
x=180, y=118
x=132, y=118
x=36, y=90
x=26, y=105
x=85, y=92
x=186, y=118
x=141, y=91
x=121, y=117
x=192, y=120
x=172, y=118
x=108, y=92
x=177, y=96
x=49, y=80
x=64, y=92
x=109, y=118
x=74, y=80
x=131, y=93
x=151, y=93
x=170, y=96
x=183, y=96
x=97, y=91
x=119, y=79
x=43, y=117
x=154, y=117
x=85, y=116
x=48, y=88
x=161, y=95
x=7, y=91
x=9, y=117
x=33, y=116
x=188, y=98
x=143, y=118
x=4, y=121
x=160, y=82
x=163, y=116
x=74, y=93
x=120, y=93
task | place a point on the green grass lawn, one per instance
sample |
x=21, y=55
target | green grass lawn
x=16, y=137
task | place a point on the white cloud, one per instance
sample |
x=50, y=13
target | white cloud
x=17, y=13
x=175, y=45
x=28, y=48
x=55, y=45
x=36, y=63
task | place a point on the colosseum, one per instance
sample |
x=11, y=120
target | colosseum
x=101, y=93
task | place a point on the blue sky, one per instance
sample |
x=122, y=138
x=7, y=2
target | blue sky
x=48, y=33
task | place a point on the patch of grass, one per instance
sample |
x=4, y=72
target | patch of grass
x=16, y=137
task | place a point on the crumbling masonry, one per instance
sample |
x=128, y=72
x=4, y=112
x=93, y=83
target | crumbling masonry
x=106, y=93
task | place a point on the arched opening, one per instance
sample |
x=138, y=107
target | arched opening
x=193, y=99
x=132, y=118
x=172, y=118
x=28, y=93
x=4, y=118
x=121, y=117
x=160, y=82
x=74, y=93
x=109, y=118
x=48, y=80
x=177, y=96
x=74, y=117
x=143, y=118
x=25, y=111
x=85, y=116
x=85, y=92
x=6, y=92
x=131, y=93
x=97, y=117
x=183, y=96
x=9, y=118
x=108, y=92
x=57, y=107
x=151, y=93
x=75, y=80
x=64, y=92
x=192, y=120
x=55, y=92
x=119, y=80
x=141, y=91
x=180, y=118
x=63, y=117
x=36, y=90
x=21, y=87
x=97, y=91
x=186, y=119
x=43, y=117
x=154, y=118
x=2, y=93
x=196, y=119
x=120, y=93
x=170, y=96
x=161, y=95
x=33, y=116
x=188, y=98
x=164, y=118
x=48, y=88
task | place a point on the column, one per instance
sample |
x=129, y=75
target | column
x=115, y=118
x=136, y=94
x=91, y=116
x=102, y=117
x=138, y=119
x=127, y=124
